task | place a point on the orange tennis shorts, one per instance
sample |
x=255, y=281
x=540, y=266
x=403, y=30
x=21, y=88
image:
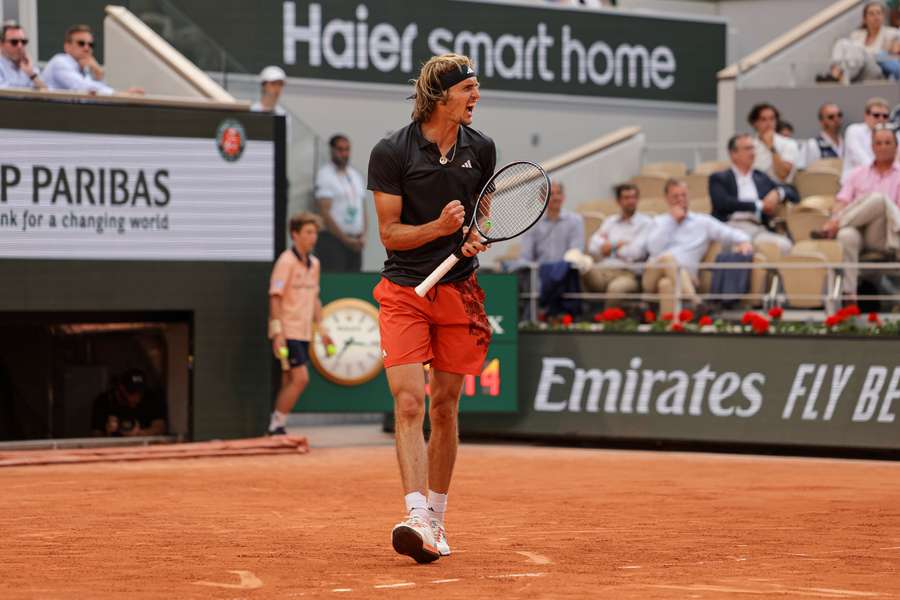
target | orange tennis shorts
x=448, y=328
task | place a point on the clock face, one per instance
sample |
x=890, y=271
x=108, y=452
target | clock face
x=353, y=326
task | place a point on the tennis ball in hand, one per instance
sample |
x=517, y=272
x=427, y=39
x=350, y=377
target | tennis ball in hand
x=330, y=350
x=283, y=352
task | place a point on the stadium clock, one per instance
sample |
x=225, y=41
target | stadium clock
x=356, y=355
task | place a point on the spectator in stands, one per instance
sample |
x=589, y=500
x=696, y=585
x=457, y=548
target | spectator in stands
x=785, y=129
x=76, y=69
x=615, y=246
x=271, y=82
x=340, y=193
x=776, y=155
x=828, y=143
x=558, y=230
x=855, y=58
x=746, y=198
x=866, y=215
x=16, y=68
x=858, y=137
x=676, y=243
x=129, y=408
x=890, y=61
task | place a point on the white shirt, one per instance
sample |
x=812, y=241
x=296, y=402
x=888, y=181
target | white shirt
x=64, y=73
x=618, y=229
x=11, y=76
x=689, y=240
x=857, y=148
x=747, y=192
x=258, y=107
x=346, y=190
x=812, y=153
x=788, y=151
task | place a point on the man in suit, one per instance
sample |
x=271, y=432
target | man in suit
x=747, y=198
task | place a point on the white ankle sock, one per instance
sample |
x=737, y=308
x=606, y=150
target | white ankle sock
x=437, y=506
x=279, y=419
x=416, y=505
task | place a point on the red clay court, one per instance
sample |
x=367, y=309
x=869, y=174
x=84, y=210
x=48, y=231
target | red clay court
x=524, y=522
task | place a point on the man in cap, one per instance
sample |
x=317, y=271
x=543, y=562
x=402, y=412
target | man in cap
x=129, y=409
x=271, y=81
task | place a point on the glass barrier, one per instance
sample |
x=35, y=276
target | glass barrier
x=305, y=149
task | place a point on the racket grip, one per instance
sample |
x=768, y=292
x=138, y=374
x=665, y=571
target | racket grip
x=436, y=275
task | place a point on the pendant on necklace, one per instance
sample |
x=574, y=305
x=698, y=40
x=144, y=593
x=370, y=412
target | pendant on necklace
x=443, y=160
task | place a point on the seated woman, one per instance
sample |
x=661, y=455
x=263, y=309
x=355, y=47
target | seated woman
x=890, y=61
x=855, y=58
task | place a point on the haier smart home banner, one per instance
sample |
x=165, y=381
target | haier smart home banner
x=122, y=183
x=537, y=49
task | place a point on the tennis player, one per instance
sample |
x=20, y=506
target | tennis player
x=294, y=306
x=426, y=178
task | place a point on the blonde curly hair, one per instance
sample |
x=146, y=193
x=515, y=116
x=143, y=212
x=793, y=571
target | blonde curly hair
x=428, y=90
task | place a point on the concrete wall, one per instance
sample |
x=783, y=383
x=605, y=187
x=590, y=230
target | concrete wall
x=523, y=126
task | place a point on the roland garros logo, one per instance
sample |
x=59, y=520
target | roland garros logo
x=231, y=139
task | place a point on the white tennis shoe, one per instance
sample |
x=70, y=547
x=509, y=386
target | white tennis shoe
x=414, y=537
x=440, y=538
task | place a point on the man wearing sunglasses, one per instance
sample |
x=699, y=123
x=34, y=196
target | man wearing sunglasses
x=828, y=143
x=16, y=68
x=858, y=137
x=76, y=69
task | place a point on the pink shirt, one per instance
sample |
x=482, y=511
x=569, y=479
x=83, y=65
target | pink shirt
x=298, y=286
x=865, y=180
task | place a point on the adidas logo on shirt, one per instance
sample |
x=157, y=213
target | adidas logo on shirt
x=466, y=165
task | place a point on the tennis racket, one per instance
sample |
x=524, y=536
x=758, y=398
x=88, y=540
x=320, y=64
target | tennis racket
x=509, y=204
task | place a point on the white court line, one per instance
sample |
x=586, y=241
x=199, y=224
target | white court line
x=816, y=592
x=446, y=580
x=843, y=592
x=249, y=581
x=342, y=590
x=390, y=586
x=891, y=548
x=538, y=559
x=516, y=575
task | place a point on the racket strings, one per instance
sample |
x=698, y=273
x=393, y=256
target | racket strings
x=513, y=200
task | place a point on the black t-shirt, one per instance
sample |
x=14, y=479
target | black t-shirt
x=149, y=409
x=406, y=164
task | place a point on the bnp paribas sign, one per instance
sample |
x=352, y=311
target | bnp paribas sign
x=515, y=48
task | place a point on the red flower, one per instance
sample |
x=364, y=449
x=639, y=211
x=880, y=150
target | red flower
x=748, y=317
x=775, y=312
x=705, y=320
x=613, y=314
x=686, y=316
x=832, y=320
x=760, y=325
x=851, y=311
x=567, y=319
x=598, y=318
x=873, y=318
x=677, y=327
x=667, y=316
x=649, y=316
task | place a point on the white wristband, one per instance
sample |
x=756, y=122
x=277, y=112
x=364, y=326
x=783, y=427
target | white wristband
x=274, y=328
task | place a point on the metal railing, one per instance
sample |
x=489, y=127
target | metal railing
x=831, y=296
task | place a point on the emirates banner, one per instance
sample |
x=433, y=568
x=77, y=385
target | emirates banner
x=823, y=392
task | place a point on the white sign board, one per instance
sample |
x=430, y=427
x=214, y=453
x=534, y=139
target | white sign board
x=125, y=197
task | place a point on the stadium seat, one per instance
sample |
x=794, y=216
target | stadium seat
x=710, y=166
x=592, y=222
x=801, y=220
x=812, y=183
x=698, y=185
x=607, y=207
x=652, y=205
x=667, y=169
x=804, y=282
x=700, y=205
x=826, y=165
x=823, y=203
x=650, y=186
x=830, y=249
